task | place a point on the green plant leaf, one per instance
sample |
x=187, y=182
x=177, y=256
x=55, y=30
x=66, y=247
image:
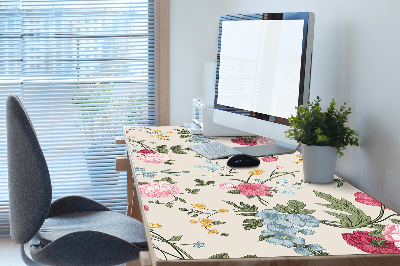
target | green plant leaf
x=355, y=218
x=218, y=222
x=339, y=182
x=395, y=221
x=312, y=126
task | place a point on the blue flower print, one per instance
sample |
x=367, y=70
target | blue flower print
x=289, y=230
x=139, y=169
x=307, y=232
x=149, y=174
x=316, y=247
x=286, y=186
x=302, y=251
x=199, y=139
x=303, y=220
x=282, y=238
x=282, y=229
x=270, y=216
x=198, y=245
x=258, y=180
x=213, y=167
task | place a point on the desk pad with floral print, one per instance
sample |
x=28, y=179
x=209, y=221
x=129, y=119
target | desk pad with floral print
x=198, y=208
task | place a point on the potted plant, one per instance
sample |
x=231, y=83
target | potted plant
x=323, y=135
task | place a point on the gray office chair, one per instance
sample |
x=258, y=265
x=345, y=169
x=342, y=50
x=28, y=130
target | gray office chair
x=70, y=231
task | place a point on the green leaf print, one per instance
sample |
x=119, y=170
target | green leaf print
x=162, y=149
x=220, y=256
x=293, y=207
x=178, y=149
x=377, y=233
x=339, y=182
x=395, y=221
x=175, y=238
x=355, y=218
x=218, y=222
x=243, y=209
x=252, y=224
x=192, y=191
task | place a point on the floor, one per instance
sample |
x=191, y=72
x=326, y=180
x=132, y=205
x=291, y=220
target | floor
x=9, y=253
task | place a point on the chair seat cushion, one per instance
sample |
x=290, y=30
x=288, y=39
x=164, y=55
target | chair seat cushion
x=107, y=222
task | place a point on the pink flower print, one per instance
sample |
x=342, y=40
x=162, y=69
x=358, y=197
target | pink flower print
x=226, y=185
x=264, y=141
x=161, y=189
x=253, y=189
x=155, y=158
x=363, y=241
x=145, y=151
x=392, y=233
x=366, y=199
x=279, y=167
x=269, y=159
x=146, y=208
x=252, y=141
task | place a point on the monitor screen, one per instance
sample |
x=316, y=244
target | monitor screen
x=260, y=63
x=263, y=71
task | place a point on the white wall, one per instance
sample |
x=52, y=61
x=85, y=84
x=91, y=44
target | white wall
x=356, y=60
x=194, y=41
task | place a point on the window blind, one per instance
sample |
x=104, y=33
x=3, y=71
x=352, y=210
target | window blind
x=83, y=69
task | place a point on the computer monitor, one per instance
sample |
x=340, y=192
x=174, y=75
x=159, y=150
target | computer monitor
x=263, y=73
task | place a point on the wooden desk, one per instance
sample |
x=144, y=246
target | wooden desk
x=203, y=212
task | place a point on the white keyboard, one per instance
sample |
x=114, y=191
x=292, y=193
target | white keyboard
x=214, y=150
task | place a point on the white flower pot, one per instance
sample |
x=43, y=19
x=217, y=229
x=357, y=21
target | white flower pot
x=319, y=163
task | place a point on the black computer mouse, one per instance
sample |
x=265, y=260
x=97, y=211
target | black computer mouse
x=242, y=160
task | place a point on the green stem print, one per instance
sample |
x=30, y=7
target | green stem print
x=141, y=144
x=262, y=201
x=275, y=174
x=181, y=253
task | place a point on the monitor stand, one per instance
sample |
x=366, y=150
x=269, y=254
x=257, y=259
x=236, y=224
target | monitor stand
x=264, y=150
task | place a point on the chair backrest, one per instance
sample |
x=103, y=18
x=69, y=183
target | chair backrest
x=29, y=183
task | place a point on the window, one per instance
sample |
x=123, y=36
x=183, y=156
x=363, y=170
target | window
x=83, y=69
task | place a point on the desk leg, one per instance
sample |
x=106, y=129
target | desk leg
x=129, y=192
x=144, y=260
x=133, y=199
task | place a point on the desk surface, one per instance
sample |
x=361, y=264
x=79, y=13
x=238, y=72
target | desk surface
x=196, y=208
